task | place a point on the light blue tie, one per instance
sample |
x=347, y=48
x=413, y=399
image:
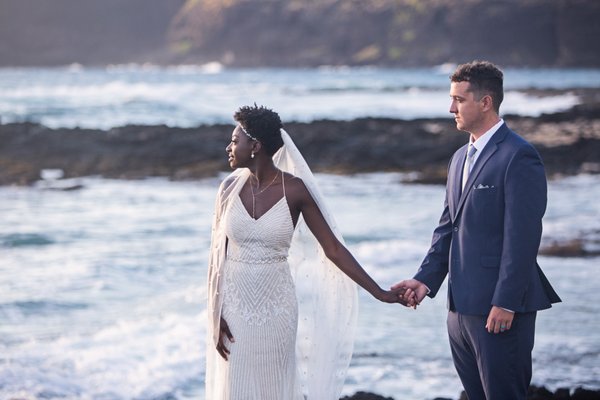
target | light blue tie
x=468, y=164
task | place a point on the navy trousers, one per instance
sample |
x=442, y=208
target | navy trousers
x=492, y=366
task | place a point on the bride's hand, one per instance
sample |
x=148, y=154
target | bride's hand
x=224, y=332
x=392, y=296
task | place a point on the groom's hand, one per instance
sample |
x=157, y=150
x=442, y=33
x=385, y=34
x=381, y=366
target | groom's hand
x=499, y=320
x=414, y=294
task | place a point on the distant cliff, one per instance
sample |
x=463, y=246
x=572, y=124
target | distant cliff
x=300, y=32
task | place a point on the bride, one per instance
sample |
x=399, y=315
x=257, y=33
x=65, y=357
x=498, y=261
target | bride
x=282, y=303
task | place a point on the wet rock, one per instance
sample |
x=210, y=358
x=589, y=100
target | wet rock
x=539, y=393
x=534, y=393
x=422, y=147
x=586, y=245
x=585, y=394
x=365, y=396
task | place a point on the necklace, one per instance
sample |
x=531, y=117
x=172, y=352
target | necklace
x=256, y=194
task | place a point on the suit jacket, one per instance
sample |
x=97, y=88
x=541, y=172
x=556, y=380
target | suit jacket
x=489, y=234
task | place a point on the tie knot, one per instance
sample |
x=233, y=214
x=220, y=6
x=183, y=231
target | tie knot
x=472, y=151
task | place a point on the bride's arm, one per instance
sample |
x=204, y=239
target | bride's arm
x=333, y=248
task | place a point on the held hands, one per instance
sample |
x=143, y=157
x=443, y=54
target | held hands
x=224, y=332
x=414, y=292
x=392, y=296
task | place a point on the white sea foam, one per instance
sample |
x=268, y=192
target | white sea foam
x=191, y=95
x=520, y=103
x=137, y=357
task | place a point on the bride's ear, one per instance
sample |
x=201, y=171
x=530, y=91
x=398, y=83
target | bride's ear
x=256, y=146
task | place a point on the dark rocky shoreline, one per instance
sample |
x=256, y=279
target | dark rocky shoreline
x=535, y=393
x=569, y=143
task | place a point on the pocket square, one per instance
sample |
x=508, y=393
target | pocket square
x=482, y=186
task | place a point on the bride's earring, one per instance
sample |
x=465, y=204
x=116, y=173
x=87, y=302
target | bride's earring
x=252, y=155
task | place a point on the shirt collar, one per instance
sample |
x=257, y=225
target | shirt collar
x=485, y=138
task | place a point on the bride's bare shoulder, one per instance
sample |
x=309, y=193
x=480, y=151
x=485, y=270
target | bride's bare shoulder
x=295, y=188
x=293, y=182
x=227, y=182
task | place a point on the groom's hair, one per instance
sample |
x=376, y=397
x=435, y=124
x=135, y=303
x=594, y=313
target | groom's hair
x=262, y=123
x=485, y=79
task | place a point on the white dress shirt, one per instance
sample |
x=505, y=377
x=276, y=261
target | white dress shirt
x=480, y=143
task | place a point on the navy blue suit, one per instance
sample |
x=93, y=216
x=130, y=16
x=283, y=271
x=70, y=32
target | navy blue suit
x=487, y=242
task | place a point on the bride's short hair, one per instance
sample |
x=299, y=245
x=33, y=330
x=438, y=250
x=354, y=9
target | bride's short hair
x=262, y=123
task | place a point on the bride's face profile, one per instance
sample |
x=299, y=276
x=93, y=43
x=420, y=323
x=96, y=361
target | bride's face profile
x=239, y=150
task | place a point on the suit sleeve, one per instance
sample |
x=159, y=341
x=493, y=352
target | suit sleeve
x=525, y=199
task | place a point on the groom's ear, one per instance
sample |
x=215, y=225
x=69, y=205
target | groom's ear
x=487, y=103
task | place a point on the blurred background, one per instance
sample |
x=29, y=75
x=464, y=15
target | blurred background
x=246, y=33
x=114, y=116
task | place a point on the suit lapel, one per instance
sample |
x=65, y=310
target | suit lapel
x=455, y=179
x=486, y=154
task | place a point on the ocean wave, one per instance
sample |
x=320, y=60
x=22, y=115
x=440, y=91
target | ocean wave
x=366, y=89
x=41, y=307
x=187, y=96
x=25, y=239
x=153, y=357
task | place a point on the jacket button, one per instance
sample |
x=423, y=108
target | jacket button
x=456, y=229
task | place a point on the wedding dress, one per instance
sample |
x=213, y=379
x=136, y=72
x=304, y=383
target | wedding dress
x=259, y=305
x=291, y=311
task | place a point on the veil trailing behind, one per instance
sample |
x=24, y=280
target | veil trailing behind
x=327, y=298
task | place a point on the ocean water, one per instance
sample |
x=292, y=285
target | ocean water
x=187, y=96
x=103, y=289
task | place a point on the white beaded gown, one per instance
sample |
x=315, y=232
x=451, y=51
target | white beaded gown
x=259, y=305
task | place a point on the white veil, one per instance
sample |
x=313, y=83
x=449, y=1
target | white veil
x=327, y=298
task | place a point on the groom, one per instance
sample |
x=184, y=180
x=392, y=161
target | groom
x=487, y=242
